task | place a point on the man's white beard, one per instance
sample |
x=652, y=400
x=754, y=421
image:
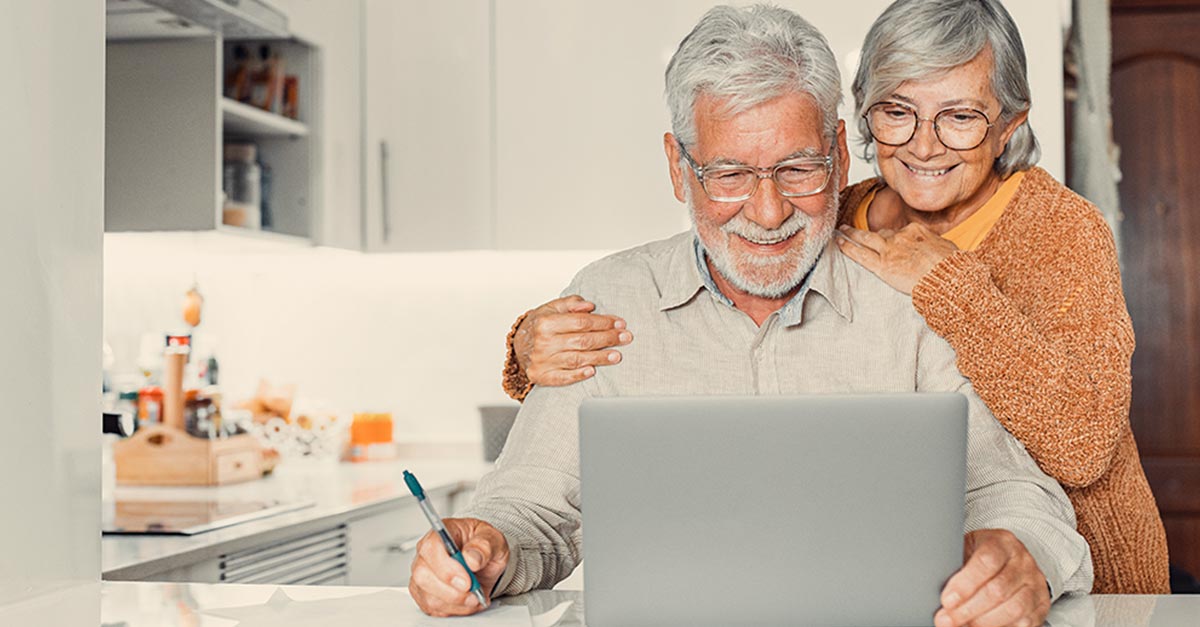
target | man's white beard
x=766, y=276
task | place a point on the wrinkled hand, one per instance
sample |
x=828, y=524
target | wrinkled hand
x=439, y=585
x=998, y=585
x=561, y=342
x=901, y=258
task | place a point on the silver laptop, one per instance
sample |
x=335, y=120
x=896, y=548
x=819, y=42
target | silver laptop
x=810, y=510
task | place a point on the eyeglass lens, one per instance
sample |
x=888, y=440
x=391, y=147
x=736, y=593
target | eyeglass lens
x=958, y=129
x=800, y=178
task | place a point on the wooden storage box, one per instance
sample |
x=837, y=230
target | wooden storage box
x=161, y=455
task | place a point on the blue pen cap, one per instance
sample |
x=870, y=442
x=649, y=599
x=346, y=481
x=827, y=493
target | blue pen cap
x=413, y=485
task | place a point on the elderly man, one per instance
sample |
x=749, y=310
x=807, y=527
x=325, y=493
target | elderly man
x=756, y=300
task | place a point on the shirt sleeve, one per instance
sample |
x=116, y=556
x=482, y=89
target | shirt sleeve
x=533, y=494
x=1005, y=488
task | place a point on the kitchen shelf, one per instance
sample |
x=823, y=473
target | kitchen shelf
x=241, y=118
x=167, y=123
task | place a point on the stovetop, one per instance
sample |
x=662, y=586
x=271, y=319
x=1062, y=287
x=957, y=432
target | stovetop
x=185, y=518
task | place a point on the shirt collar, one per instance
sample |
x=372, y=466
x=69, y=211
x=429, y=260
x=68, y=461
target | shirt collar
x=688, y=273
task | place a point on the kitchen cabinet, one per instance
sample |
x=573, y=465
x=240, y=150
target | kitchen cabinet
x=427, y=180
x=166, y=125
x=383, y=545
x=335, y=29
x=375, y=549
x=580, y=118
x=517, y=125
x=320, y=557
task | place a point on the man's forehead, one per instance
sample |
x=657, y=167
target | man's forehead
x=788, y=126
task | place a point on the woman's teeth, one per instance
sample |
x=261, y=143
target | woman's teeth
x=930, y=173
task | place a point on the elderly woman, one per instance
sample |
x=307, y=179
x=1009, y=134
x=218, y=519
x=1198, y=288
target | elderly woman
x=1014, y=270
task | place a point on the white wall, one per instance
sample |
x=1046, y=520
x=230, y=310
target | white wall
x=418, y=334
x=52, y=171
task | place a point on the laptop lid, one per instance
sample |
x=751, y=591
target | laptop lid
x=813, y=510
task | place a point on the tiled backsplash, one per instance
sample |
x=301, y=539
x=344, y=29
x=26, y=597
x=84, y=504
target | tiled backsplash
x=418, y=334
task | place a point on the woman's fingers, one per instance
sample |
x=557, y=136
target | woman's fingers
x=866, y=239
x=863, y=256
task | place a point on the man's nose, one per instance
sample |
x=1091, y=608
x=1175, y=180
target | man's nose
x=925, y=144
x=767, y=207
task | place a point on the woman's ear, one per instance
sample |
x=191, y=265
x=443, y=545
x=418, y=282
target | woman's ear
x=1011, y=128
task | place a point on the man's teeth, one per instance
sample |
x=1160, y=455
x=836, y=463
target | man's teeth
x=766, y=242
x=921, y=172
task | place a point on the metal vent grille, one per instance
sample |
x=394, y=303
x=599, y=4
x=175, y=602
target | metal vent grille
x=312, y=559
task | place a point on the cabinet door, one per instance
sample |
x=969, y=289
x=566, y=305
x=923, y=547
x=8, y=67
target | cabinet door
x=427, y=138
x=580, y=118
x=383, y=545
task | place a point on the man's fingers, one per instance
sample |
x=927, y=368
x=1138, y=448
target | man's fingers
x=984, y=563
x=445, y=568
x=990, y=597
x=435, y=596
x=1022, y=609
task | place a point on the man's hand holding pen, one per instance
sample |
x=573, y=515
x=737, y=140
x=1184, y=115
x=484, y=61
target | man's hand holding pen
x=438, y=583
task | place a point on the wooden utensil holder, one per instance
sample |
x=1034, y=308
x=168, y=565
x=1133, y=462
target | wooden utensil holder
x=162, y=455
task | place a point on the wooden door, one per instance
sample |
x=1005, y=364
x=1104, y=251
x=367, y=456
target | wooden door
x=1156, y=122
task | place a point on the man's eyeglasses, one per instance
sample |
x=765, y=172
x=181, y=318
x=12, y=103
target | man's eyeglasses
x=793, y=178
x=895, y=124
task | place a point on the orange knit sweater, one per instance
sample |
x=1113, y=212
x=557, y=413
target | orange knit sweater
x=1038, y=321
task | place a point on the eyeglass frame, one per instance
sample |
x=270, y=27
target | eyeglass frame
x=917, y=124
x=759, y=173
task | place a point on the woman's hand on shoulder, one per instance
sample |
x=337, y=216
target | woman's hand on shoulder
x=901, y=258
x=562, y=341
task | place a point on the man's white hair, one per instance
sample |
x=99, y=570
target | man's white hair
x=747, y=56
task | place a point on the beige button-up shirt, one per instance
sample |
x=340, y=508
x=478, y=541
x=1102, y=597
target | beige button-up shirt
x=845, y=331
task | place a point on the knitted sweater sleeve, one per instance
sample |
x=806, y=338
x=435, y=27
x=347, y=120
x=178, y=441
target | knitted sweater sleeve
x=513, y=379
x=1055, y=373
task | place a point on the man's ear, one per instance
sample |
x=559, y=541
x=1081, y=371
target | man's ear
x=843, y=168
x=671, y=147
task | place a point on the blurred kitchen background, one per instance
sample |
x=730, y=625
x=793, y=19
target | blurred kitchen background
x=366, y=193
x=452, y=165
x=336, y=208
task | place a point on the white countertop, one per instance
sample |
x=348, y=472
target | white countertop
x=138, y=604
x=338, y=490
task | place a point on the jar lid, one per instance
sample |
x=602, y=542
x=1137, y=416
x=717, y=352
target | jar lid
x=241, y=152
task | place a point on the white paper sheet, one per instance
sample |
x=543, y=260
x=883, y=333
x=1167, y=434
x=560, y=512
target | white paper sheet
x=294, y=607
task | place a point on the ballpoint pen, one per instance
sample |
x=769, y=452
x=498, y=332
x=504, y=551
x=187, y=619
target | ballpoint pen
x=414, y=486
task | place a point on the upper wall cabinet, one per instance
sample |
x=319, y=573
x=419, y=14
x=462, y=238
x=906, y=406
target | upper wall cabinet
x=185, y=153
x=427, y=129
x=519, y=124
x=580, y=118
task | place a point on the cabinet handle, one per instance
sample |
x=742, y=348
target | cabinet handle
x=383, y=190
x=406, y=546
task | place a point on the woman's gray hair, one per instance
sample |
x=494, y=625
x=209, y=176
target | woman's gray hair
x=749, y=56
x=919, y=39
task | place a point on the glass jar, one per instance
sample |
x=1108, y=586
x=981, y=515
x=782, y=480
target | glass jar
x=241, y=181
